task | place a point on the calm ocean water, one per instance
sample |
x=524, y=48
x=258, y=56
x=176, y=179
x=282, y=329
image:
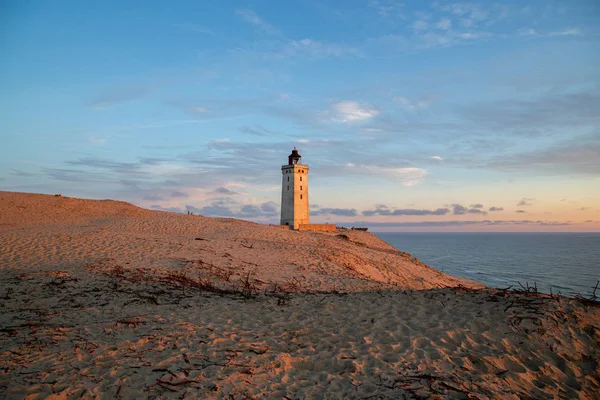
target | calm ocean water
x=565, y=262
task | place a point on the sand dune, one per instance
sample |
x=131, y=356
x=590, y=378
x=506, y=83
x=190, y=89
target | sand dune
x=47, y=233
x=104, y=299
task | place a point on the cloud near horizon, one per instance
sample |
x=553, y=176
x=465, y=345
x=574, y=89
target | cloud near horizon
x=385, y=210
x=525, y=201
x=458, y=209
x=427, y=224
x=228, y=208
x=268, y=212
x=341, y=212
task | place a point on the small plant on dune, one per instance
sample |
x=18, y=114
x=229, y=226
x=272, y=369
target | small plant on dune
x=277, y=291
x=248, y=289
x=293, y=285
x=180, y=279
x=223, y=273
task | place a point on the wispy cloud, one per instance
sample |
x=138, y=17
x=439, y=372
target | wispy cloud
x=527, y=32
x=409, y=105
x=407, y=176
x=236, y=107
x=196, y=28
x=564, y=32
x=351, y=111
x=388, y=8
x=449, y=38
x=462, y=24
x=123, y=94
x=452, y=24
x=579, y=155
x=96, y=140
x=546, y=114
x=303, y=49
x=178, y=194
x=19, y=173
x=469, y=14
x=444, y=23
x=567, y=32
x=224, y=191
x=420, y=25
x=525, y=201
x=257, y=130
x=426, y=39
x=199, y=110
x=318, y=49
x=252, y=18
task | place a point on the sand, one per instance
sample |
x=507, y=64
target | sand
x=101, y=299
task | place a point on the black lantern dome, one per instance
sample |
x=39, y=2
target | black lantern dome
x=294, y=158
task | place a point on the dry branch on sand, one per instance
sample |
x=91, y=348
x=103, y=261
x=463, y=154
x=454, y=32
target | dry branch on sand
x=592, y=299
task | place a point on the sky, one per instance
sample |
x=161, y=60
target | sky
x=412, y=115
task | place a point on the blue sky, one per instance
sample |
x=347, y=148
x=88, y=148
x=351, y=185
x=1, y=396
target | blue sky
x=412, y=115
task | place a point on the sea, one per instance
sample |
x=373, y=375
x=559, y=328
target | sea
x=568, y=263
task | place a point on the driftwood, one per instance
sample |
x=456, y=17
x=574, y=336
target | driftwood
x=592, y=299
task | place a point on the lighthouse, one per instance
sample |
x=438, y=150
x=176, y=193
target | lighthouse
x=294, y=192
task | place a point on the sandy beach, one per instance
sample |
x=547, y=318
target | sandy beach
x=102, y=299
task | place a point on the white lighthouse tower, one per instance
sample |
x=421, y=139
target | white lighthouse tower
x=294, y=192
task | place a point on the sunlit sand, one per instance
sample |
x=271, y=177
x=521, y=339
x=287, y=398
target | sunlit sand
x=104, y=299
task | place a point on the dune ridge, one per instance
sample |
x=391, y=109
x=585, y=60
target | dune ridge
x=102, y=299
x=49, y=232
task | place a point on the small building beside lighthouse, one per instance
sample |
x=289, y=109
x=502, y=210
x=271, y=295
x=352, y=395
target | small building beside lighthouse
x=295, y=212
x=294, y=192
